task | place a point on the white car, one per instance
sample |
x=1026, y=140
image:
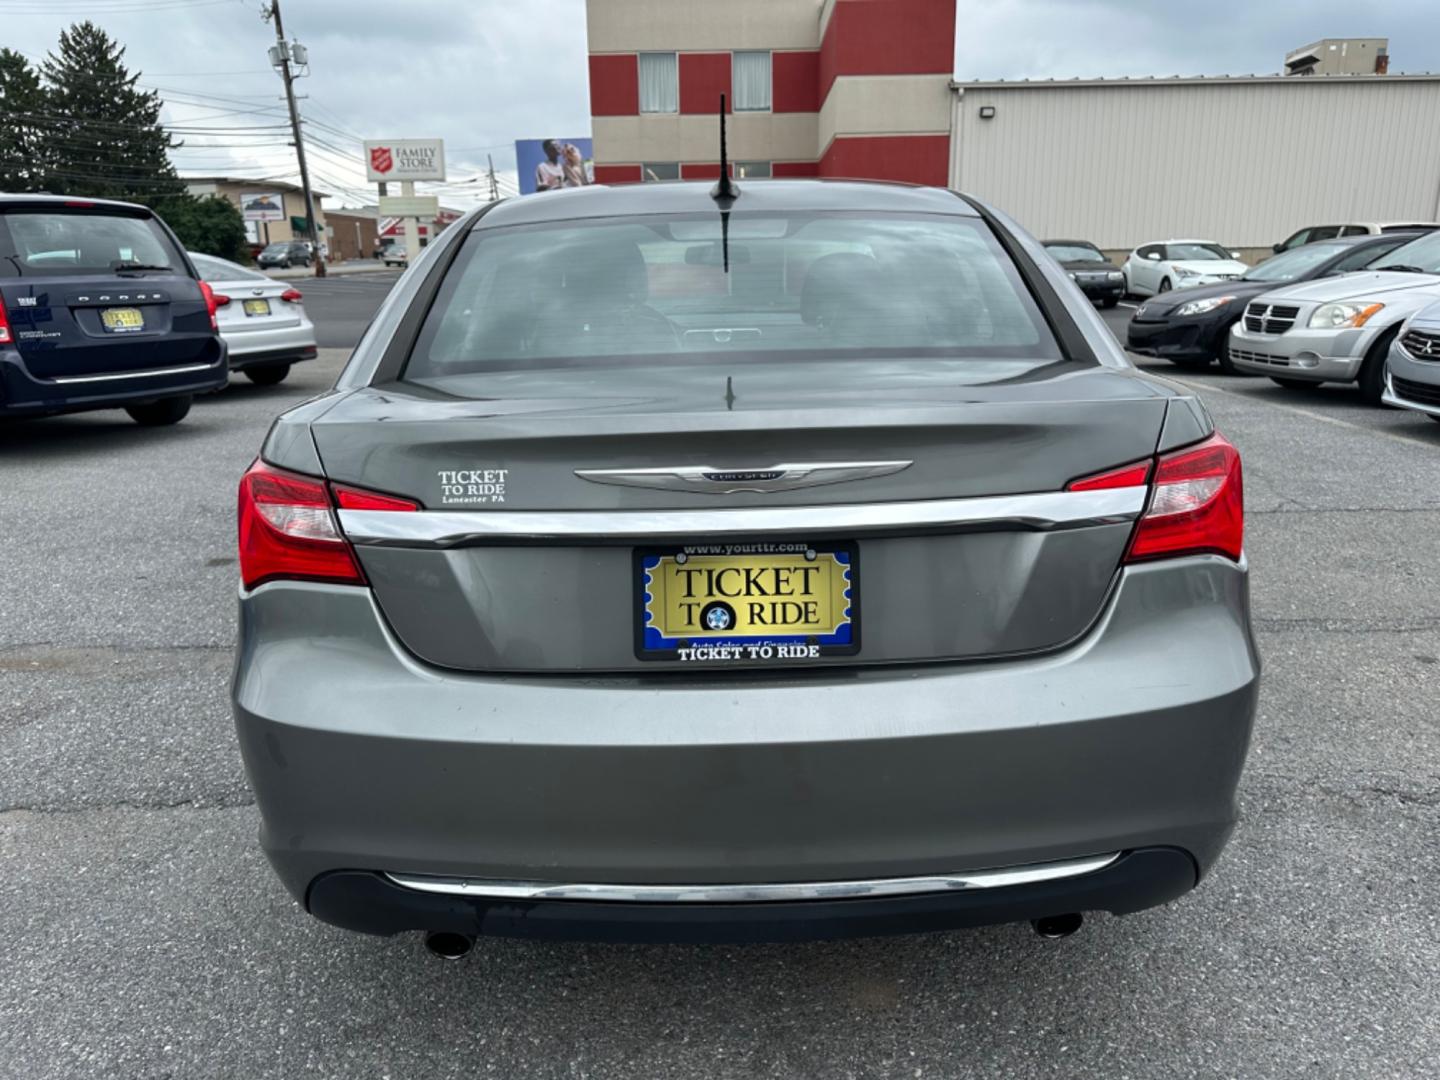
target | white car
x=395, y=255
x=1179, y=264
x=261, y=320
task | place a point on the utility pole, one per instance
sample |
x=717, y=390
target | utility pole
x=494, y=190
x=282, y=52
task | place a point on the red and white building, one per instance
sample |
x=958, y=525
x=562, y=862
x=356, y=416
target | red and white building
x=845, y=88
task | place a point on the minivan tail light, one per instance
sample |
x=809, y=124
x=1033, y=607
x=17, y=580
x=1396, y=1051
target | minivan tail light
x=211, y=305
x=6, y=337
x=1196, y=505
x=288, y=530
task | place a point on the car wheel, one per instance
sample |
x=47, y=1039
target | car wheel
x=1293, y=384
x=1165, y=285
x=267, y=374
x=1377, y=362
x=1222, y=354
x=160, y=413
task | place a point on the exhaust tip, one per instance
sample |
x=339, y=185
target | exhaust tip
x=447, y=945
x=1054, y=927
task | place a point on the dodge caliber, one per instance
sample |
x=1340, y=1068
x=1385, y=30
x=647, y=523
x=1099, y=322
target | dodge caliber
x=805, y=561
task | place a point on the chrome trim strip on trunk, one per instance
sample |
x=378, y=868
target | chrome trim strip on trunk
x=149, y=373
x=1038, y=512
x=713, y=481
x=770, y=892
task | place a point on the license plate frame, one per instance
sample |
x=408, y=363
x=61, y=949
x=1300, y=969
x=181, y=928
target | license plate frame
x=255, y=309
x=839, y=577
x=122, y=320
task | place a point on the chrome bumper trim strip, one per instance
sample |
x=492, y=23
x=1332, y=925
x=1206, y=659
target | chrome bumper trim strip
x=1030, y=513
x=151, y=373
x=774, y=892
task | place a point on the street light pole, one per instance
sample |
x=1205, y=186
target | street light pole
x=311, y=227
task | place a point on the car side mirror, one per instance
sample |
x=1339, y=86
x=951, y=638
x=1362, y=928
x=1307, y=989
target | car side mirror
x=1277, y=248
x=1234, y=255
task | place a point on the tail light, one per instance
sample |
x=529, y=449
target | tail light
x=1196, y=504
x=221, y=300
x=288, y=528
x=210, y=303
x=6, y=337
x=292, y=296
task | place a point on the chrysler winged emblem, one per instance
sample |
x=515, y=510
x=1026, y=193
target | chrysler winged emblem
x=713, y=481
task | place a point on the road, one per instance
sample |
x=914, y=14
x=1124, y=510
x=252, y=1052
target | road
x=143, y=936
x=341, y=305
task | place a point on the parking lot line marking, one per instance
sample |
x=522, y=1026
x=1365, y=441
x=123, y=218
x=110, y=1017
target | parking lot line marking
x=1132, y=307
x=1429, y=444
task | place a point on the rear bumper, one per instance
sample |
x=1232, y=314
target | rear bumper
x=364, y=759
x=289, y=344
x=373, y=903
x=21, y=394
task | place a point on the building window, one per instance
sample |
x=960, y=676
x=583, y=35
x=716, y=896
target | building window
x=660, y=170
x=659, y=83
x=754, y=169
x=750, y=76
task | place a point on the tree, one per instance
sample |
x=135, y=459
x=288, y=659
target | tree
x=209, y=225
x=104, y=133
x=22, y=111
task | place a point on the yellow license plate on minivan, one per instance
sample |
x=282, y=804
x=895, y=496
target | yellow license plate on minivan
x=119, y=320
x=767, y=602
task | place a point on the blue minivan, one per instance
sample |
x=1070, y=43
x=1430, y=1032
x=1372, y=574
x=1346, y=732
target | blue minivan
x=100, y=308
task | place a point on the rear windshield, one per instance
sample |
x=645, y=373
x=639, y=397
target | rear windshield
x=1196, y=252
x=1074, y=253
x=213, y=269
x=36, y=243
x=775, y=287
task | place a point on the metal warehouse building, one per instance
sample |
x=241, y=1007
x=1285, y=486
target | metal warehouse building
x=1243, y=161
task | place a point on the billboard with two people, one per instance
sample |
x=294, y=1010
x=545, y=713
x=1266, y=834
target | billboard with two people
x=552, y=164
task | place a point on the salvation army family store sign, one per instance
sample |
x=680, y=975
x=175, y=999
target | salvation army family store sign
x=405, y=159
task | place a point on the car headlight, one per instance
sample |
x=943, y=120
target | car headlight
x=1181, y=271
x=1202, y=307
x=1115, y=275
x=1339, y=316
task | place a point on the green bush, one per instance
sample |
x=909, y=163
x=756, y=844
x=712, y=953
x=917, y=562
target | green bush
x=207, y=224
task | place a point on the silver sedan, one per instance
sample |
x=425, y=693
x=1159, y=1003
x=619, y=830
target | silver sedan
x=262, y=320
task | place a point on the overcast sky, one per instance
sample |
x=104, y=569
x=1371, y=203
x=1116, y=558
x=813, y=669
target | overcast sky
x=482, y=73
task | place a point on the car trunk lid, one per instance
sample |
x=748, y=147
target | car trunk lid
x=956, y=568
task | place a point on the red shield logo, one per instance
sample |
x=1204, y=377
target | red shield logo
x=380, y=159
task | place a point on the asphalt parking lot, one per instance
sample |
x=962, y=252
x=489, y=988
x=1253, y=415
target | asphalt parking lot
x=143, y=936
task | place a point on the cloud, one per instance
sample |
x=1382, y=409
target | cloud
x=482, y=73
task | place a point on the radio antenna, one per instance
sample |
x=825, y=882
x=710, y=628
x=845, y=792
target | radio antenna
x=725, y=189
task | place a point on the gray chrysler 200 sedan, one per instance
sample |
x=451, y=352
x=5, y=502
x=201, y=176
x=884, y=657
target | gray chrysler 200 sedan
x=797, y=562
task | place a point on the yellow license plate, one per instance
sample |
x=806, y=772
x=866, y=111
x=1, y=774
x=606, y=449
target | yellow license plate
x=120, y=319
x=758, y=602
x=257, y=307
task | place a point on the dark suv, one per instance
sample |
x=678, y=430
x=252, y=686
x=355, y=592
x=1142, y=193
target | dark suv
x=100, y=308
x=286, y=253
